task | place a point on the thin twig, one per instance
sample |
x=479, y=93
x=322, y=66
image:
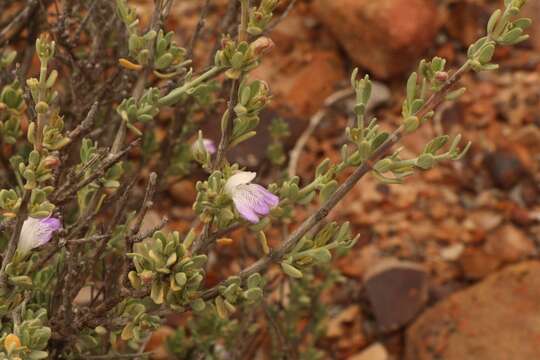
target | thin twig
x=281, y=18
x=112, y=159
x=313, y=123
x=198, y=29
x=86, y=125
x=18, y=22
x=226, y=132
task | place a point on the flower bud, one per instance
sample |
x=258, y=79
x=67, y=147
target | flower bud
x=45, y=47
x=51, y=162
x=147, y=277
x=262, y=45
x=441, y=76
x=224, y=241
x=42, y=107
x=11, y=342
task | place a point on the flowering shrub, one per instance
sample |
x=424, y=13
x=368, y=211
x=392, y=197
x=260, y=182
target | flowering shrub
x=71, y=217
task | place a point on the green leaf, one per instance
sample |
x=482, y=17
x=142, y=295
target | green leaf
x=291, y=270
x=328, y=189
x=37, y=354
x=253, y=294
x=411, y=87
x=436, y=144
x=493, y=20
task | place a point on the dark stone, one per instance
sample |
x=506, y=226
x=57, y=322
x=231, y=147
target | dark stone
x=505, y=168
x=397, y=291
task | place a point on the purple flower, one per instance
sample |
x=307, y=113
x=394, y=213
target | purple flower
x=36, y=232
x=209, y=146
x=251, y=200
x=203, y=146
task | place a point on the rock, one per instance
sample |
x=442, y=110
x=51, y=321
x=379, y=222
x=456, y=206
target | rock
x=505, y=168
x=157, y=343
x=485, y=220
x=345, y=329
x=495, y=319
x=397, y=291
x=385, y=36
x=375, y=352
x=509, y=244
x=531, y=10
x=303, y=68
x=183, y=191
x=452, y=252
x=337, y=324
x=466, y=21
x=476, y=263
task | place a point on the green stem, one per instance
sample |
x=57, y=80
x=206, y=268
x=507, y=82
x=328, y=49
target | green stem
x=176, y=94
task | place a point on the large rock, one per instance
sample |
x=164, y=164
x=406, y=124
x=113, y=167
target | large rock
x=397, y=291
x=375, y=352
x=497, y=319
x=303, y=68
x=531, y=10
x=385, y=36
x=509, y=244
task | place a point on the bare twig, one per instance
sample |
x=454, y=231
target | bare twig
x=18, y=22
x=226, y=132
x=281, y=17
x=198, y=29
x=313, y=123
x=64, y=194
x=146, y=204
x=86, y=125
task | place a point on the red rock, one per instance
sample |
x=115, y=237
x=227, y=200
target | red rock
x=531, y=10
x=302, y=70
x=509, y=244
x=375, y=352
x=505, y=167
x=466, y=21
x=476, y=263
x=397, y=291
x=385, y=36
x=183, y=192
x=496, y=319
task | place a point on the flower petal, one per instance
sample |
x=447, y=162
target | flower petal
x=253, y=200
x=48, y=227
x=36, y=232
x=240, y=178
x=270, y=199
x=209, y=146
x=245, y=210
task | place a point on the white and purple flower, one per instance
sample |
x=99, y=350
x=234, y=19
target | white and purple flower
x=209, y=146
x=204, y=145
x=251, y=200
x=37, y=232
